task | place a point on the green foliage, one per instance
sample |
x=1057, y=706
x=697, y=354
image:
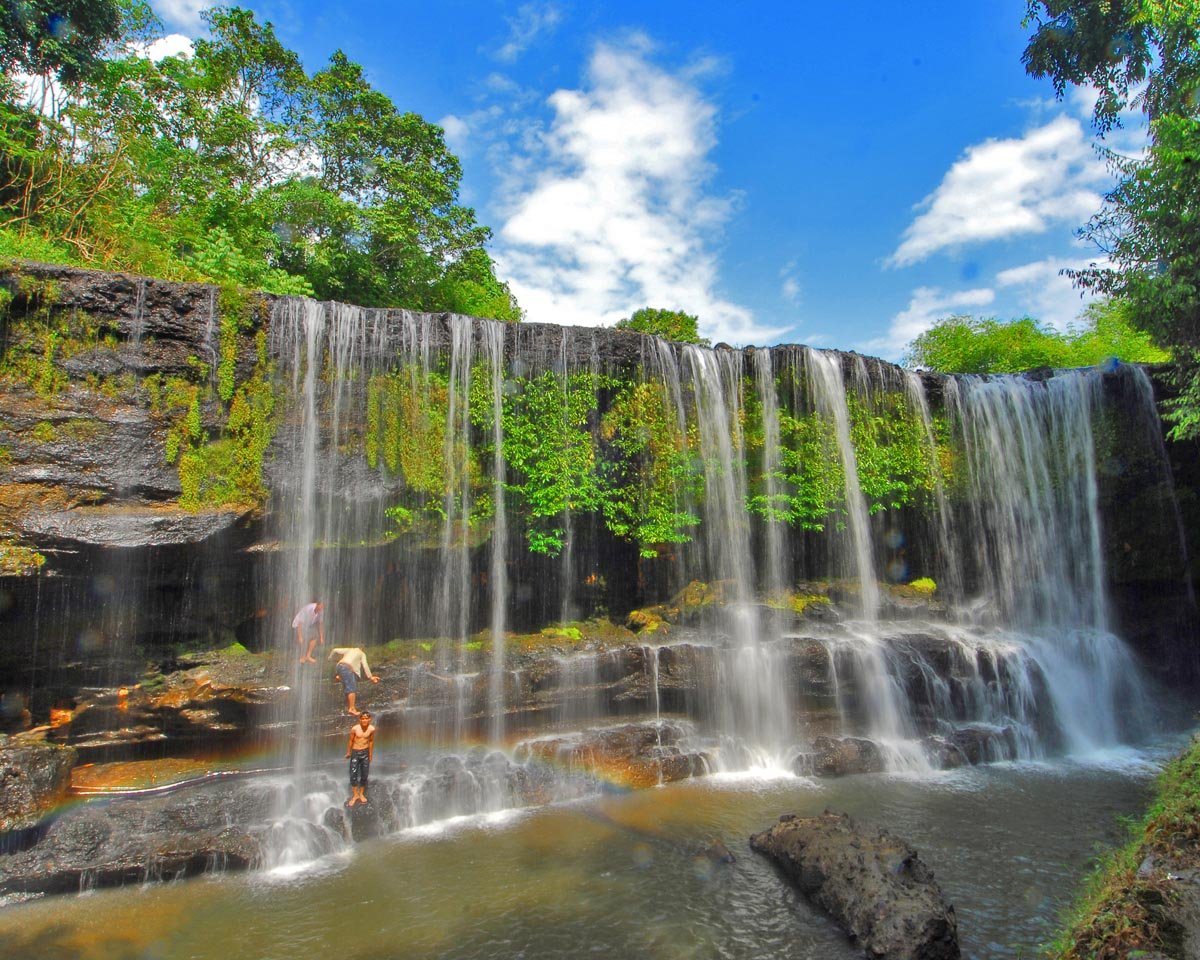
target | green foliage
x=1147, y=227
x=1116, y=46
x=187, y=168
x=966, y=344
x=549, y=451
x=924, y=585
x=668, y=324
x=652, y=479
x=60, y=39
x=891, y=450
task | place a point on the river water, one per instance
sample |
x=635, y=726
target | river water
x=624, y=875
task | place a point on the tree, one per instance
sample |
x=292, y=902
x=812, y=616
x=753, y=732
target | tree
x=966, y=344
x=668, y=324
x=1147, y=227
x=59, y=39
x=1115, y=46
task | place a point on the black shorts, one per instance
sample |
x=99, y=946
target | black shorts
x=360, y=767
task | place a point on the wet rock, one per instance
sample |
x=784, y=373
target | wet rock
x=980, y=743
x=873, y=884
x=33, y=778
x=365, y=821
x=943, y=754
x=840, y=756
x=127, y=527
x=717, y=852
x=128, y=840
x=633, y=755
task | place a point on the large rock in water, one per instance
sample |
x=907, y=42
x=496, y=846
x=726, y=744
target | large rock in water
x=135, y=840
x=874, y=885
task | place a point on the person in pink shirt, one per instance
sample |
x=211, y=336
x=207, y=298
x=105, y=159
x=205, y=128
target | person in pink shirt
x=310, y=621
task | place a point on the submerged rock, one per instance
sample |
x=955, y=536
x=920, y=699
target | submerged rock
x=874, y=885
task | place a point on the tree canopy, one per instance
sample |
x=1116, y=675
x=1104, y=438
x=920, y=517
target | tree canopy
x=231, y=164
x=668, y=324
x=1147, y=229
x=967, y=344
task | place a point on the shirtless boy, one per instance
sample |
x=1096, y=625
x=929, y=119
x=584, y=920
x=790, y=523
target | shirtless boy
x=360, y=751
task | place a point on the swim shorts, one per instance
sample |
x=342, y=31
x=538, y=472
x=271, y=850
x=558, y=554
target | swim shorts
x=346, y=675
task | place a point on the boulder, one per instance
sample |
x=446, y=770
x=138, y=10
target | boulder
x=132, y=840
x=873, y=884
x=34, y=777
x=839, y=756
x=632, y=755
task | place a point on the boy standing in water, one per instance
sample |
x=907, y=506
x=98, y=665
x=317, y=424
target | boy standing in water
x=307, y=617
x=360, y=751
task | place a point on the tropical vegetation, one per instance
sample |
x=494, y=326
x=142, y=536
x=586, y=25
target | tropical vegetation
x=227, y=162
x=1142, y=54
x=969, y=344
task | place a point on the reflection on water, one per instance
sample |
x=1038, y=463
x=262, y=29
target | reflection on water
x=622, y=876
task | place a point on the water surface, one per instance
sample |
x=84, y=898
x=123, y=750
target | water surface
x=623, y=876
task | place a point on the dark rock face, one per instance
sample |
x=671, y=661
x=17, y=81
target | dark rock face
x=33, y=778
x=132, y=841
x=874, y=885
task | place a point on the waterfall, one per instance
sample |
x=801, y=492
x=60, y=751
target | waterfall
x=1023, y=663
x=829, y=391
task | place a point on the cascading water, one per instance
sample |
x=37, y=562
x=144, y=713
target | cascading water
x=1025, y=665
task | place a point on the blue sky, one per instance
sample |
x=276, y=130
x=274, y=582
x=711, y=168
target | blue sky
x=787, y=171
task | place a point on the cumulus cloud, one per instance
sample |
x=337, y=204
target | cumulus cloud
x=456, y=130
x=1043, y=292
x=614, y=209
x=532, y=21
x=184, y=14
x=1008, y=188
x=172, y=45
x=927, y=306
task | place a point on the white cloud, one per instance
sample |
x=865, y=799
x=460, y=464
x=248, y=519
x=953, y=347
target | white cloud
x=1006, y=188
x=927, y=306
x=613, y=211
x=790, y=287
x=172, y=45
x=532, y=21
x=184, y=14
x=456, y=130
x=1044, y=293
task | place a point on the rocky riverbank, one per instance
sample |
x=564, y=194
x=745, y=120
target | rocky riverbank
x=1144, y=899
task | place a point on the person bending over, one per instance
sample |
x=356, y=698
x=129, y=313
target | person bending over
x=309, y=621
x=353, y=662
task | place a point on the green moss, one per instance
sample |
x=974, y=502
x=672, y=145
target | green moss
x=44, y=432
x=924, y=586
x=18, y=560
x=574, y=634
